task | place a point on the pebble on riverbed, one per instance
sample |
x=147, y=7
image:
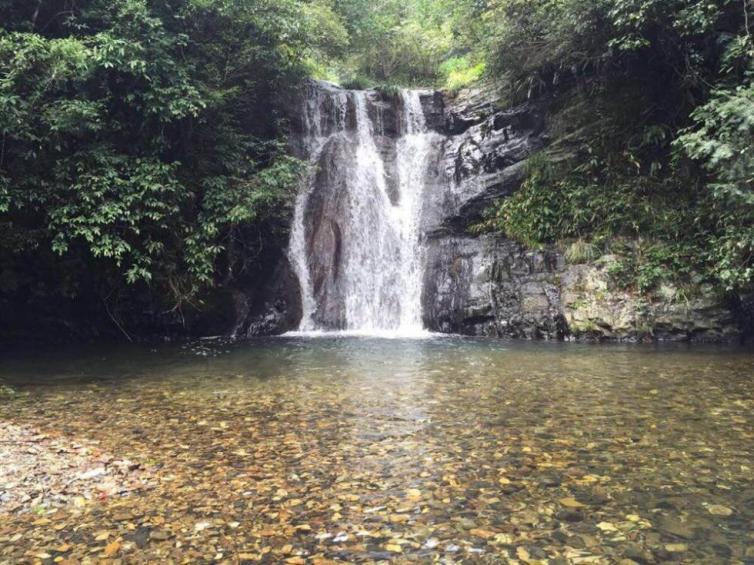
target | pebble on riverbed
x=347, y=460
x=41, y=472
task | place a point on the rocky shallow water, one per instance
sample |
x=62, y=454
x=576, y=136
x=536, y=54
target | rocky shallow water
x=353, y=449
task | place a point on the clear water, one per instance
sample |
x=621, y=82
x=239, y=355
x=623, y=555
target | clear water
x=365, y=449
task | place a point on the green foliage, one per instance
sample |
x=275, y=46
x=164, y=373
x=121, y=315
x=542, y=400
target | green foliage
x=395, y=41
x=137, y=136
x=722, y=140
x=666, y=159
x=357, y=83
x=556, y=204
x=388, y=90
x=123, y=208
x=459, y=72
x=581, y=251
x=538, y=44
x=644, y=265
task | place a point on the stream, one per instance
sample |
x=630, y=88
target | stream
x=309, y=450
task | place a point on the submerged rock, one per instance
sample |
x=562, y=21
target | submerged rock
x=7, y=392
x=674, y=527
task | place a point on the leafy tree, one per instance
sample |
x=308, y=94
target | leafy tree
x=722, y=139
x=395, y=41
x=140, y=140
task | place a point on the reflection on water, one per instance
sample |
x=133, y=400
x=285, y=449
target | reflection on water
x=365, y=449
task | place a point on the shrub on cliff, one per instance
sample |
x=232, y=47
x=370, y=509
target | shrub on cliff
x=665, y=151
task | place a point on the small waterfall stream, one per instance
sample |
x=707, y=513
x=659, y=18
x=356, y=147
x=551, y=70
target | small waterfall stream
x=356, y=242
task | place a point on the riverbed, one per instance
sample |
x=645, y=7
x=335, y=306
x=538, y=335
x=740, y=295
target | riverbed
x=314, y=450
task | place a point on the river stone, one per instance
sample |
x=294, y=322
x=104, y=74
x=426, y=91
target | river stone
x=665, y=504
x=121, y=515
x=536, y=552
x=638, y=554
x=160, y=535
x=673, y=526
x=571, y=502
x=140, y=537
x=551, y=481
x=676, y=547
x=594, y=497
x=570, y=516
x=719, y=510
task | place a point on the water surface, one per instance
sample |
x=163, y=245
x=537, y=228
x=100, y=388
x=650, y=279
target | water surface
x=359, y=449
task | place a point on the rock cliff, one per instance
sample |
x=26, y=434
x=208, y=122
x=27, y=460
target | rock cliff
x=488, y=285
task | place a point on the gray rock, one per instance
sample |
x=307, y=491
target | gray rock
x=276, y=309
x=480, y=285
x=490, y=286
x=674, y=527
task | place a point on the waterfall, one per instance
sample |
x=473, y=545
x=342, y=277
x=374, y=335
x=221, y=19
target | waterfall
x=356, y=242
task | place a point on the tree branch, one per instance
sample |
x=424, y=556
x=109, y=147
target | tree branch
x=115, y=321
x=746, y=18
x=36, y=15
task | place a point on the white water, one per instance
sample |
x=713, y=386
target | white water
x=413, y=152
x=382, y=256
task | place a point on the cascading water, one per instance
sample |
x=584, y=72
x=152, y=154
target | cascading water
x=413, y=154
x=356, y=243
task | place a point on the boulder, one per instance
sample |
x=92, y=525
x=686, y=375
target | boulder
x=276, y=308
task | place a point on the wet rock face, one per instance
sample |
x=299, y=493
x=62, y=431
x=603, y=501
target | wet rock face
x=434, y=111
x=494, y=287
x=595, y=310
x=484, y=285
x=489, y=286
x=275, y=308
x=482, y=157
x=328, y=205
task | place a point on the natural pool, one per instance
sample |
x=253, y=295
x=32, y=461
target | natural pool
x=357, y=449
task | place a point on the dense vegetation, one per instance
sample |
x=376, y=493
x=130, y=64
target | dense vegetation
x=665, y=176
x=142, y=155
x=143, y=160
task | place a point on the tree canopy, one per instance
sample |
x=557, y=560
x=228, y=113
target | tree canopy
x=140, y=138
x=143, y=152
